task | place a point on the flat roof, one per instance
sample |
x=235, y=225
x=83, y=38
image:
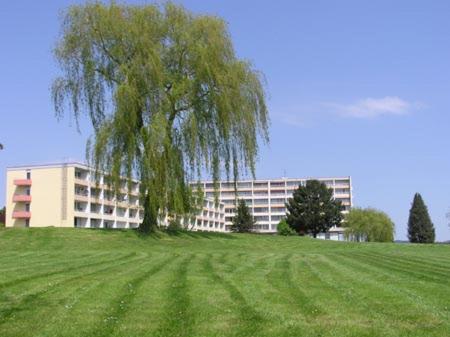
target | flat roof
x=278, y=179
x=47, y=165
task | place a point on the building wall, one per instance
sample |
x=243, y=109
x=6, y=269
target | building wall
x=266, y=198
x=46, y=197
x=67, y=195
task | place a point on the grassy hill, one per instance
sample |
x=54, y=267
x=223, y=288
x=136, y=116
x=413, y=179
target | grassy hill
x=68, y=282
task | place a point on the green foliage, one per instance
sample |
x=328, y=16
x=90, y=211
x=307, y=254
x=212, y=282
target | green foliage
x=166, y=95
x=174, y=226
x=369, y=224
x=312, y=209
x=420, y=227
x=243, y=221
x=284, y=229
x=2, y=216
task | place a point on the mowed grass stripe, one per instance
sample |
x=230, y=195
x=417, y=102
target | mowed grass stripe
x=121, y=303
x=403, y=269
x=84, y=303
x=248, y=320
x=68, y=309
x=416, y=292
x=96, y=308
x=178, y=319
x=33, y=298
x=390, y=307
x=424, y=264
x=90, y=263
x=282, y=279
x=43, y=264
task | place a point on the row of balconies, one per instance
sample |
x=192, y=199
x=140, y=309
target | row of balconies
x=22, y=198
x=85, y=183
x=265, y=186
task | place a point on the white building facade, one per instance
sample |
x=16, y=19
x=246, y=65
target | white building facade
x=266, y=200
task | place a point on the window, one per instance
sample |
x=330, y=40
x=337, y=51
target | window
x=277, y=217
x=342, y=182
x=261, y=201
x=261, y=210
x=261, y=218
x=260, y=185
x=295, y=183
x=28, y=191
x=27, y=207
x=277, y=192
x=259, y=193
x=277, y=201
x=28, y=175
x=248, y=202
x=245, y=184
x=244, y=193
x=329, y=183
x=227, y=185
x=277, y=184
x=27, y=222
x=278, y=209
x=327, y=236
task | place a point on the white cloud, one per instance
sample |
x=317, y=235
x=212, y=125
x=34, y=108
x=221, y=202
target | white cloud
x=375, y=107
x=293, y=120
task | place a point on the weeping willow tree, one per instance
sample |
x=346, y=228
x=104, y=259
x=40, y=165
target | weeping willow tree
x=167, y=97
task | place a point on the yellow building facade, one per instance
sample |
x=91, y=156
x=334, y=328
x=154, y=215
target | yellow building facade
x=67, y=195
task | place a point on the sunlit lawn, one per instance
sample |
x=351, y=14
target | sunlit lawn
x=68, y=282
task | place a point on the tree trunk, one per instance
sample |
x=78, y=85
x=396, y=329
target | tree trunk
x=150, y=222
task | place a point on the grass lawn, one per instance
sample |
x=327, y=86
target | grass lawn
x=68, y=282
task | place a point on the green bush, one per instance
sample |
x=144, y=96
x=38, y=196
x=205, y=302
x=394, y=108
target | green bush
x=174, y=226
x=369, y=224
x=284, y=229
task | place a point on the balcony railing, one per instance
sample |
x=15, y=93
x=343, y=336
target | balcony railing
x=21, y=215
x=22, y=182
x=21, y=197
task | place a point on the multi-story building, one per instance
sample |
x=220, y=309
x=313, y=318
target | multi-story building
x=67, y=195
x=266, y=200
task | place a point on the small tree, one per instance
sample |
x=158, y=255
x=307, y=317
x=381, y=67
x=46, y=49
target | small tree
x=312, y=209
x=420, y=227
x=2, y=216
x=284, y=229
x=371, y=224
x=243, y=221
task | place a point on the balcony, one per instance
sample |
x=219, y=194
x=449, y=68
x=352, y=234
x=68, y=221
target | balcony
x=21, y=215
x=21, y=197
x=22, y=182
x=81, y=182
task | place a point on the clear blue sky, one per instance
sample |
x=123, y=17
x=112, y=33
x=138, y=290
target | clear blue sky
x=358, y=88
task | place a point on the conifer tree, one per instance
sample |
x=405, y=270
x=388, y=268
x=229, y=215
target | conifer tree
x=312, y=209
x=243, y=221
x=420, y=227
